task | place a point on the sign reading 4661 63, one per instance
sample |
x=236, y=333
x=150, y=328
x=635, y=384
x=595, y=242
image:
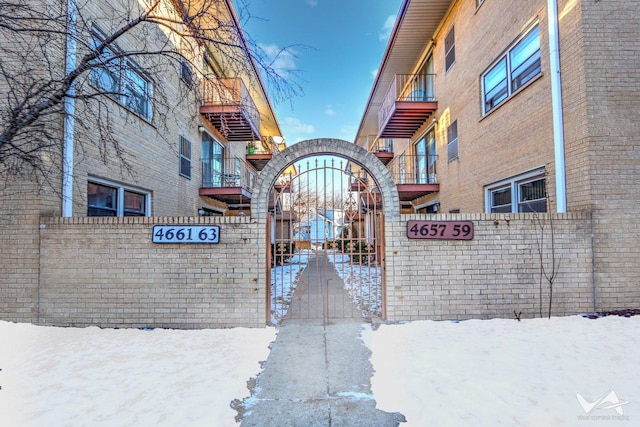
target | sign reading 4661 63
x=444, y=230
x=186, y=234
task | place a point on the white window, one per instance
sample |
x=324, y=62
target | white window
x=518, y=66
x=122, y=79
x=495, y=85
x=106, y=75
x=522, y=193
x=136, y=90
x=185, y=157
x=501, y=199
x=532, y=195
x=109, y=199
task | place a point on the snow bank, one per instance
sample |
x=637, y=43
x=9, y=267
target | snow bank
x=504, y=372
x=105, y=377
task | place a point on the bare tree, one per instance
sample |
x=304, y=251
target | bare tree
x=549, y=261
x=156, y=35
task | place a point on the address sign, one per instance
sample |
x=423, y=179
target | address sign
x=186, y=234
x=443, y=230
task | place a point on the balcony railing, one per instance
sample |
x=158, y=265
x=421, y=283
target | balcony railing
x=379, y=145
x=382, y=148
x=414, y=169
x=258, y=148
x=259, y=153
x=409, y=100
x=229, y=106
x=227, y=173
x=408, y=87
x=359, y=181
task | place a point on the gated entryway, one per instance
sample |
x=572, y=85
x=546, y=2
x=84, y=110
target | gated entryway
x=325, y=229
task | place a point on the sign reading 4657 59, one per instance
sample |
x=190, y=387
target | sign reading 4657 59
x=445, y=230
x=186, y=234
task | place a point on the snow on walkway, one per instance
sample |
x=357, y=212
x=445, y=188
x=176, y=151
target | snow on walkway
x=504, y=372
x=106, y=377
x=283, y=283
x=363, y=283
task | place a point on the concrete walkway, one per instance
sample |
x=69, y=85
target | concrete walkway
x=318, y=372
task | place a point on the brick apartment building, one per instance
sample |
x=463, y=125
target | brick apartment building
x=149, y=134
x=499, y=106
x=478, y=111
x=180, y=124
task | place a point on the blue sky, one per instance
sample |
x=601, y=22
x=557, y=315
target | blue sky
x=337, y=46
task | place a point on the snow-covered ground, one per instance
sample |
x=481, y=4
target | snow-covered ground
x=363, y=283
x=567, y=371
x=284, y=278
x=125, y=377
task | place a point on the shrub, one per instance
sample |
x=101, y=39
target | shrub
x=360, y=252
x=336, y=244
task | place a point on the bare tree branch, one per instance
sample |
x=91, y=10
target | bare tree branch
x=34, y=84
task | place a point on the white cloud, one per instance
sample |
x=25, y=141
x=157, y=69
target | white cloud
x=329, y=111
x=385, y=32
x=348, y=132
x=283, y=61
x=312, y=2
x=374, y=73
x=293, y=125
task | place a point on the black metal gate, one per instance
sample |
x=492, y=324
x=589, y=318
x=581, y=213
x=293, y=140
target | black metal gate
x=325, y=247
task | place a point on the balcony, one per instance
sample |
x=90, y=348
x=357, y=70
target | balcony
x=227, y=105
x=414, y=175
x=407, y=105
x=382, y=148
x=359, y=181
x=259, y=153
x=283, y=184
x=227, y=180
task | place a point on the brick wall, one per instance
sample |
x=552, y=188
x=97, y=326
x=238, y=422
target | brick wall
x=107, y=272
x=19, y=267
x=99, y=271
x=492, y=275
x=612, y=83
x=514, y=138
